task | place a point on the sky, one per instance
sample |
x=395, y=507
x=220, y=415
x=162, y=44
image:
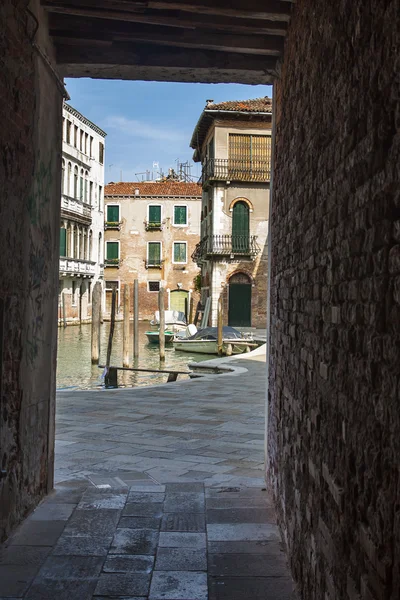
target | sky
x=149, y=122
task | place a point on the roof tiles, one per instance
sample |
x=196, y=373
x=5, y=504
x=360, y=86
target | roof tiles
x=158, y=188
x=255, y=105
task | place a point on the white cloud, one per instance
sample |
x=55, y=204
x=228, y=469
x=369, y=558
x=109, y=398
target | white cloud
x=144, y=130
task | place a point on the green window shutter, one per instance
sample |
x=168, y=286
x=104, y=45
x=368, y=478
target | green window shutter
x=63, y=242
x=179, y=252
x=180, y=215
x=112, y=250
x=155, y=215
x=154, y=253
x=240, y=227
x=112, y=214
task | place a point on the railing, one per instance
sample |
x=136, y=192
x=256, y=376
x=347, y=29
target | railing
x=113, y=225
x=226, y=245
x=236, y=170
x=153, y=263
x=76, y=265
x=76, y=206
x=153, y=225
x=111, y=262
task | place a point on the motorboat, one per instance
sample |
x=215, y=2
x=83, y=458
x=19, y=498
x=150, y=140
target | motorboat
x=205, y=341
x=153, y=337
x=175, y=320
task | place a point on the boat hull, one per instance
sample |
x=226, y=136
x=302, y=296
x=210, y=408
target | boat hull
x=153, y=337
x=208, y=346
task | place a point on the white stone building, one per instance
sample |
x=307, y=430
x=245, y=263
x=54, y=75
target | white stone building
x=82, y=215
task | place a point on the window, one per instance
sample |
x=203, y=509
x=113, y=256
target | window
x=179, y=252
x=180, y=215
x=101, y=153
x=112, y=252
x=73, y=293
x=90, y=192
x=100, y=197
x=89, y=292
x=240, y=227
x=112, y=214
x=68, y=132
x=76, y=182
x=154, y=286
x=81, y=186
x=86, y=186
x=69, y=172
x=63, y=241
x=91, y=146
x=76, y=136
x=86, y=142
x=63, y=176
x=154, y=221
x=249, y=156
x=81, y=141
x=109, y=287
x=154, y=254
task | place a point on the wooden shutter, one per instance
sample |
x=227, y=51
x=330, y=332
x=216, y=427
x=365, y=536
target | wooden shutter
x=154, y=253
x=180, y=215
x=155, y=215
x=240, y=227
x=112, y=250
x=63, y=242
x=179, y=252
x=112, y=214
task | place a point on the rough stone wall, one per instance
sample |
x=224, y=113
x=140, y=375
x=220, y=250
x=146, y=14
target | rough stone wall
x=30, y=105
x=334, y=419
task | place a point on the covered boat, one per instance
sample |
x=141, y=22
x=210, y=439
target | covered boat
x=154, y=336
x=175, y=320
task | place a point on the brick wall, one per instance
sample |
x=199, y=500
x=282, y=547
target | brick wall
x=30, y=105
x=334, y=419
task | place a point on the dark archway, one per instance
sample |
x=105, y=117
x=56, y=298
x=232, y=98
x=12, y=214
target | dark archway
x=239, y=304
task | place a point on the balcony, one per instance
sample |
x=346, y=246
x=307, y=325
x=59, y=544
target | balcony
x=154, y=263
x=220, y=169
x=111, y=262
x=153, y=225
x=76, y=266
x=76, y=209
x=222, y=246
x=113, y=225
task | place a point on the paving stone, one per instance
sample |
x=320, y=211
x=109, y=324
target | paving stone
x=183, y=522
x=96, y=523
x=178, y=585
x=146, y=487
x=145, y=497
x=139, y=523
x=24, y=556
x=188, y=502
x=37, y=533
x=181, y=559
x=254, y=588
x=115, y=584
x=15, y=579
x=70, y=567
x=255, y=547
x=242, y=532
x=241, y=515
x=137, y=509
x=184, y=487
x=182, y=540
x=134, y=541
x=72, y=589
x=96, y=500
x=53, y=512
x=128, y=564
x=241, y=502
x=237, y=565
x=82, y=546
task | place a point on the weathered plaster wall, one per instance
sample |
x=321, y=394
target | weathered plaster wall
x=334, y=430
x=30, y=105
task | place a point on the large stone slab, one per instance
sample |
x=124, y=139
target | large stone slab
x=181, y=559
x=242, y=532
x=190, y=522
x=254, y=588
x=178, y=585
x=122, y=584
x=134, y=541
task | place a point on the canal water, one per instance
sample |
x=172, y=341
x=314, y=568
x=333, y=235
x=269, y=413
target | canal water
x=75, y=371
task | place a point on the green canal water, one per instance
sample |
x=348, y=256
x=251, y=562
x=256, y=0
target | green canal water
x=75, y=371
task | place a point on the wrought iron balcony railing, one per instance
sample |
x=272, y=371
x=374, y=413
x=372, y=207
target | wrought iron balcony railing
x=153, y=263
x=221, y=169
x=111, y=262
x=232, y=246
x=113, y=225
x=153, y=225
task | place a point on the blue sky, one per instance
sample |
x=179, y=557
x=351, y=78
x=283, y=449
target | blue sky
x=149, y=122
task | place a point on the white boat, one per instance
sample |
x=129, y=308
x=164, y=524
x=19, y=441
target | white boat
x=175, y=320
x=205, y=341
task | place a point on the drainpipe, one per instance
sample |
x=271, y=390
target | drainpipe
x=271, y=188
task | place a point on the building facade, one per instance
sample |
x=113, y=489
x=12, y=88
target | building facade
x=233, y=142
x=82, y=215
x=151, y=230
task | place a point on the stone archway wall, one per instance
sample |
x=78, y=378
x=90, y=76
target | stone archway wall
x=334, y=425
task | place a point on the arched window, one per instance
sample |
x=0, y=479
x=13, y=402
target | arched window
x=63, y=176
x=240, y=227
x=81, y=186
x=76, y=182
x=99, y=260
x=86, y=186
x=69, y=174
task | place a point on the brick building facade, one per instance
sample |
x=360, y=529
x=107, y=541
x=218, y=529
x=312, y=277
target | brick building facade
x=151, y=230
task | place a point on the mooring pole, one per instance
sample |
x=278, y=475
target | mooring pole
x=125, y=351
x=136, y=318
x=161, y=308
x=190, y=320
x=110, y=381
x=219, y=326
x=96, y=304
x=63, y=309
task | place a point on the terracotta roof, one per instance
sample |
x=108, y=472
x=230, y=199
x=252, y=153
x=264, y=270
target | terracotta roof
x=158, y=188
x=256, y=105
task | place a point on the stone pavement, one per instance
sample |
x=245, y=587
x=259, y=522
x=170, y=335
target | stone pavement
x=160, y=495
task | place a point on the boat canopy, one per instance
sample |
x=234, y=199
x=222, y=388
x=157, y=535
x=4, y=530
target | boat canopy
x=171, y=317
x=211, y=333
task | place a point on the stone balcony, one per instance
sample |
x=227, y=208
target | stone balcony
x=77, y=267
x=76, y=209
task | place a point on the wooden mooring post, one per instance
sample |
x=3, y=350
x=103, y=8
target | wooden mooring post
x=111, y=374
x=161, y=308
x=136, y=318
x=125, y=349
x=64, y=317
x=96, y=308
x=219, y=326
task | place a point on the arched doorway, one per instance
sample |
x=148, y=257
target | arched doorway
x=179, y=300
x=240, y=227
x=239, y=306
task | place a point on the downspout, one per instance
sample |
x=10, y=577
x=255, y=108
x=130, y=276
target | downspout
x=271, y=189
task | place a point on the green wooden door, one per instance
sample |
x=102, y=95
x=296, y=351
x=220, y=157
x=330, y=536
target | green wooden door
x=177, y=300
x=239, y=314
x=240, y=228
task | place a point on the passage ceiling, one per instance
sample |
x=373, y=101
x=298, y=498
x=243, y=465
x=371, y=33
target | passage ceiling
x=169, y=40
